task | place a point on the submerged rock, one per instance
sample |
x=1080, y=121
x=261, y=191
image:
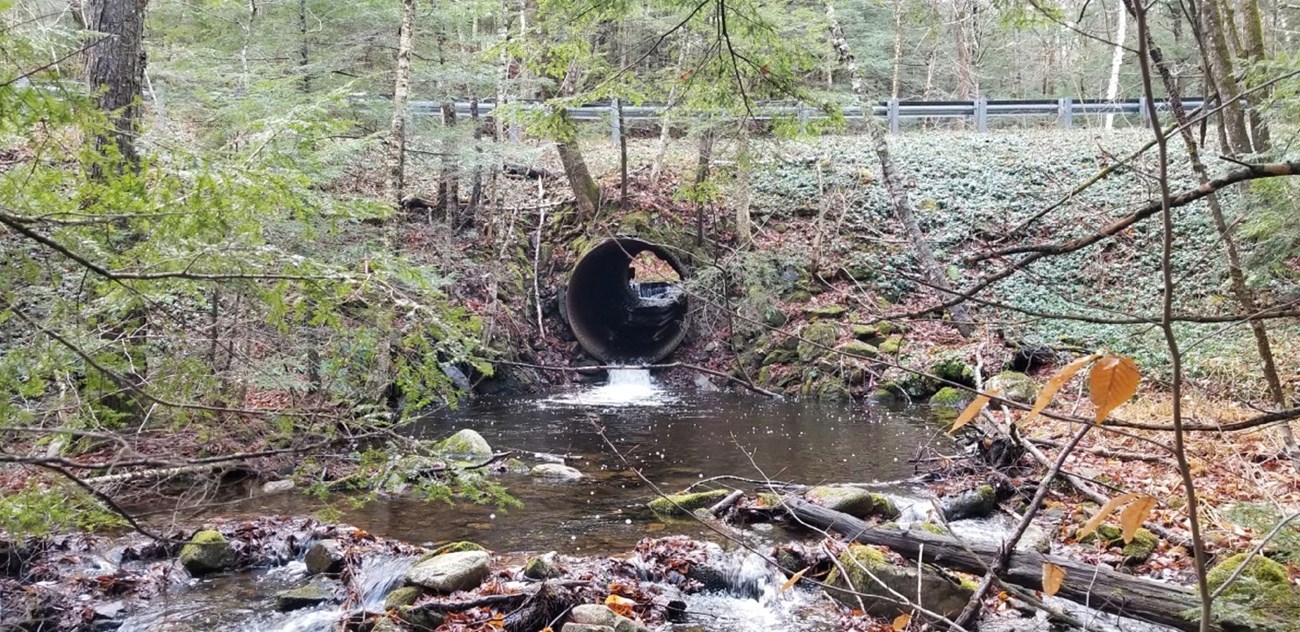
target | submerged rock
x=856, y=502
x=207, y=552
x=325, y=556
x=556, y=471
x=937, y=593
x=466, y=443
x=312, y=594
x=682, y=504
x=450, y=572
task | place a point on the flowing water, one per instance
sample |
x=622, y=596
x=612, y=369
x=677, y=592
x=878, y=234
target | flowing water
x=673, y=438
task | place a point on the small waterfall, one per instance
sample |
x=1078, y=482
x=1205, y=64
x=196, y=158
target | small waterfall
x=379, y=575
x=626, y=387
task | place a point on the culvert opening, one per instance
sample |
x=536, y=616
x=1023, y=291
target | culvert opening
x=625, y=302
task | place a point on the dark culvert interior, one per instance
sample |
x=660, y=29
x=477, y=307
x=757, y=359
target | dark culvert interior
x=625, y=303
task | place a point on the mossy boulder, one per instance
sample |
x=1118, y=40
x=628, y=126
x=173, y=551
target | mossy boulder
x=833, y=390
x=1144, y=542
x=207, y=552
x=543, y=566
x=403, y=596
x=1261, y=598
x=972, y=503
x=853, y=501
x=817, y=338
x=891, y=346
x=683, y=504
x=954, y=369
x=460, y=546
x=865, y=333
x=313, y=594
x=780, y=356
x=864, y=565
x=859, y=349
x=886, y=328
x=466, y=443
x=775, y=317
x=1015, y=386
x=825, y=312
x=634, y=223
x=951, y=397
x=450, y=572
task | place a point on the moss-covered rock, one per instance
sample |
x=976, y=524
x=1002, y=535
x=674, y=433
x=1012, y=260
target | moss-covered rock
x=858, y=349
x=951, y=397
x=798, y=296
x=774, y=317
x=459, y=546
x=892, y=345
x=1015, y=386
x=826, y=312
x=312, y=594
x=954, y=369
x=403, y=596
x=865, y=333
x=420, y=620
x=466, y=443
x=542, y=566
x=1144, y=542
x=206, y=552
x=780, y=356
x=853, y=501
x=1261, y=598
x=817, y=337
x=886, y=328
x=864, y=565
x=683, y=504
x=768, y=499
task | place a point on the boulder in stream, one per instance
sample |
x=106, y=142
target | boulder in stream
x=207, y=552
x=543, y=567
x=325, y=556
x=683, y=504
x=313, y=594
x=450, y=572
x=556, y=472
x=597, y=617
x=402, y=596
x=466, y=443
x=861, y=562
x=854, y=501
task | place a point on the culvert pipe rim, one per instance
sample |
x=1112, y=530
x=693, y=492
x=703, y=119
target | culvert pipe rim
x=619, y=319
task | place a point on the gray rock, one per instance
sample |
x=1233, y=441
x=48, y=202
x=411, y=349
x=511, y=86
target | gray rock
x=277, y=487
x=593, y=614
x=451, y=572
x=403, y=596
x=937, y=593
x=556, y=471
x=312, y=594
x=466, y=443
x=583, y=627
x=457, y=376
x=543, y=567
x=624, y=624
x=856, y=502
x=207, y=552
x=325, y=556
x=1014, y=386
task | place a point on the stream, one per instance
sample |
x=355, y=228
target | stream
x=674, y=438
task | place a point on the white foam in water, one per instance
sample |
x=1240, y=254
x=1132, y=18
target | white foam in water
x=626, y=387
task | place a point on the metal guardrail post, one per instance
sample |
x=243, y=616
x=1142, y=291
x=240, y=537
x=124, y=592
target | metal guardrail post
x=801, y=115
x=893, y=116
x=981, y=114
x=615, y=127
x=1142, y=110
x=1066, y=108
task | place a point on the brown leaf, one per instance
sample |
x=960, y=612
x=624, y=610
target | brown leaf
x=1112, y=381
x=973, y=409
x=1055, y=383
x=1053, y=575
x=1105, y=510
x=794, y=579
x=620, y=605
x=901, y=621
x=1134, y=515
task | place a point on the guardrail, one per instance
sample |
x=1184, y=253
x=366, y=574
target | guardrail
x=981, y=110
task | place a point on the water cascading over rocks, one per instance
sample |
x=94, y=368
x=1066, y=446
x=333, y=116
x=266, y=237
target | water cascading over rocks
x=619, y=317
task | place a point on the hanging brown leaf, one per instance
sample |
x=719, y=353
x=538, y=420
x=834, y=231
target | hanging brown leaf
x=1134, y=515
x=973, y=409
x=901, y=622
x=1112, y=381
x=1055, y=383
x=1106, y=509
x=794, y=579
x=1053, y=575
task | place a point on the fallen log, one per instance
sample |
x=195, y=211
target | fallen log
x=1097, y=587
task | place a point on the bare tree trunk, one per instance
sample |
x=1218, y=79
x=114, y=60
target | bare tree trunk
x=503, y=73
x=115, y=71
x=704, y=159
x=303, y=50
x=898, y=48
x=744, y=163
x=967, y=49
x=395, y=172
x=476, y=186
x=1254, y=49
x=585, y=192
x=449, y=186
x=665, y=126
x=1117, y=60
x=1221, y=71
x=622, y=156
x=894, y=183
x=1241, y=291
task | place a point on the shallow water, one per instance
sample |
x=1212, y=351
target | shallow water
x=673, y=438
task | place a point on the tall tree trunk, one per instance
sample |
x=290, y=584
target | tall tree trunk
x=898, y=48
x=395, y=169
x=1219, y=62
x=702, y=163
x=449, y=187
x=1117, y=60
x=503, y=72
x=622, y=156
x=1241, y=291
x=967, y=82
x=115, y=71
x=744, y=164
x=303, y=46
x=476, y=185
x=665, y=123
x=1254, y=49
x=894, y=182
x=585, y=192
